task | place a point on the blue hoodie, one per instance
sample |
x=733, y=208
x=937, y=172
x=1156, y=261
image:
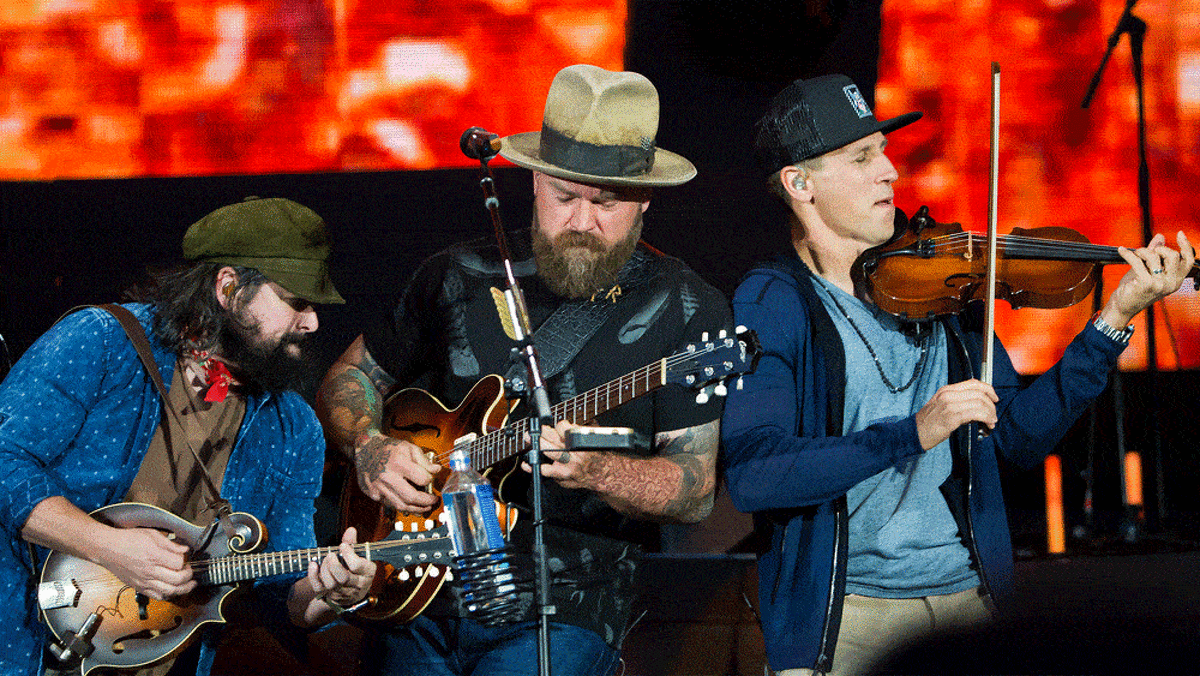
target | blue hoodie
x=787, y=462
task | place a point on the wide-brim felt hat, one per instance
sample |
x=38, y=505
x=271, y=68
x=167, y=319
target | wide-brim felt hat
x=599, y=127
x=282, y=239
x=812, y=117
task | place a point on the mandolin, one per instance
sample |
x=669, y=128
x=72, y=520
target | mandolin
x=84, y=604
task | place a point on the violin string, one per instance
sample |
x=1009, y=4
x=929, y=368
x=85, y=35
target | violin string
x=1019, y=244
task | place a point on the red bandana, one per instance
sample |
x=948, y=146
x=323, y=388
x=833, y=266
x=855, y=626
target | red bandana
x=217, y=377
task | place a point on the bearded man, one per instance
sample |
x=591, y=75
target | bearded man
x=594, y=163
x=82, y=426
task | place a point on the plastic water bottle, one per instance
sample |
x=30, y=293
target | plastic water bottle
x=489, y=586
x=470, y=508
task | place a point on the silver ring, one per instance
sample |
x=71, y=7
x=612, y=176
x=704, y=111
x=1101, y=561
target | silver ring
x=1156, y=272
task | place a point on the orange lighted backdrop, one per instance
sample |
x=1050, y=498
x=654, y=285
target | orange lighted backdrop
x=115, y=88
x=129, y=88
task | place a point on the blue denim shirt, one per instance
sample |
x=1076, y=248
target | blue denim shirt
x=77, y=413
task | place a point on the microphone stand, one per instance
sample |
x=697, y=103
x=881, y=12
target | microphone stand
x=1136, y=29
x=539, y=402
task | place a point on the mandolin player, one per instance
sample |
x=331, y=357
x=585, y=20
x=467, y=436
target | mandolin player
x=82, y=427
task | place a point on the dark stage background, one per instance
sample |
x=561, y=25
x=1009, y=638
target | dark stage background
x=71, y=242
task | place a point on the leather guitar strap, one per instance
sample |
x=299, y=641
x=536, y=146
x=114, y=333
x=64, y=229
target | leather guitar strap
x=137, y=335
x=565, y=332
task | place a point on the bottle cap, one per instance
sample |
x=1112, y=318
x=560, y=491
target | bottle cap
x=459, y=460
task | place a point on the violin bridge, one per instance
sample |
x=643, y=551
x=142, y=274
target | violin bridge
x=970, y=252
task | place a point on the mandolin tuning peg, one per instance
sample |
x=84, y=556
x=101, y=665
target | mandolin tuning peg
x=702, y=397
x=720, y=390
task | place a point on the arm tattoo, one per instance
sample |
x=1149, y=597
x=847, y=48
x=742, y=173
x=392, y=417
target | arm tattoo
x=375, y=373
x=373, y=458
x=351, y=402
x=675, y=485
x=694, y=451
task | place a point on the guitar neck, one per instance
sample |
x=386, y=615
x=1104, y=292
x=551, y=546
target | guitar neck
x=495, y=446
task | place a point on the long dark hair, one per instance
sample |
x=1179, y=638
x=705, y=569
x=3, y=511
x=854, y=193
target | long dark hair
x=187, y=313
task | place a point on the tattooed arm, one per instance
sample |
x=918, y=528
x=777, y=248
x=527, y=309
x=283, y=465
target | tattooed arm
x=350, y=406
x=678, y=484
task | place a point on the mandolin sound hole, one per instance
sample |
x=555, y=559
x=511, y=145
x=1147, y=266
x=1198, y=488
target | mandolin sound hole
x=119, y=646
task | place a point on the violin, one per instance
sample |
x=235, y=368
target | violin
x=930, y=268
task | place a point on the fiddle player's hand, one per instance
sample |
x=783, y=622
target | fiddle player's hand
x=571, y=469
x=1155, y=272
x=951, y=407
x=394, y=472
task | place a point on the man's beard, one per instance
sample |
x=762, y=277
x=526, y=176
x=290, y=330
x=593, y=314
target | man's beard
x=262, y=367
x=576, y=264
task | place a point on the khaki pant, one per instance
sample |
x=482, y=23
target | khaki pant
x=873, y=627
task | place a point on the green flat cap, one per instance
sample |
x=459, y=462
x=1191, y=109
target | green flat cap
x=284, y=240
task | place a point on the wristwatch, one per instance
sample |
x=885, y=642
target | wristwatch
x=1122, y=336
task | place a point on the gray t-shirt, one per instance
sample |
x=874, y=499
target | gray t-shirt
x=904, y=542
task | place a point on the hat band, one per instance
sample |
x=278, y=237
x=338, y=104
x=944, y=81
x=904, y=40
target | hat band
x=596, y=160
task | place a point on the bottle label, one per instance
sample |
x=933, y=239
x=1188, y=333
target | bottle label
x=487, y=505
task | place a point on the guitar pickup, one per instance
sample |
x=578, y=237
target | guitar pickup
x=58, y=594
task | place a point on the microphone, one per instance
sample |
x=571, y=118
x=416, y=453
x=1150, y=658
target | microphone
x=478, y=143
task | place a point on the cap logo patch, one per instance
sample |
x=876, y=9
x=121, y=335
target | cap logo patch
x=857, y=101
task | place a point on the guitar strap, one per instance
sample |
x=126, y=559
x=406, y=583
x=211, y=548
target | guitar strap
x=573, y=323
x=137, y=336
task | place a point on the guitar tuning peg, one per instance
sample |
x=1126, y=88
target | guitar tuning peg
x=739, y=383
x=720, y=390
x=702, y=397
x=704, y=337
x=722, y=334
x=740, y=329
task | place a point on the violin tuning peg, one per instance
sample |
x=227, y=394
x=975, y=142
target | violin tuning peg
x=720, y=390
x=702, y=397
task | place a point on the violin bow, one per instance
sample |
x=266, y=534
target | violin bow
x=989, y=308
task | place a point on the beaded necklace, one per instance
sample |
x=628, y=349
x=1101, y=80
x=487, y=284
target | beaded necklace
x=921, y=340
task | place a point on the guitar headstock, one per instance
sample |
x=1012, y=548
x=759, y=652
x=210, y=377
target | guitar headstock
x=402, y=548
x=709, y=364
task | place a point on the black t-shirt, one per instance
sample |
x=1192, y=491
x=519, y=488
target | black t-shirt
x=445, y=334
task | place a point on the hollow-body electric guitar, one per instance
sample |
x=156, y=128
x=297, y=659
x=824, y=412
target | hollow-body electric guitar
x=109, y=625
x=478, y=426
